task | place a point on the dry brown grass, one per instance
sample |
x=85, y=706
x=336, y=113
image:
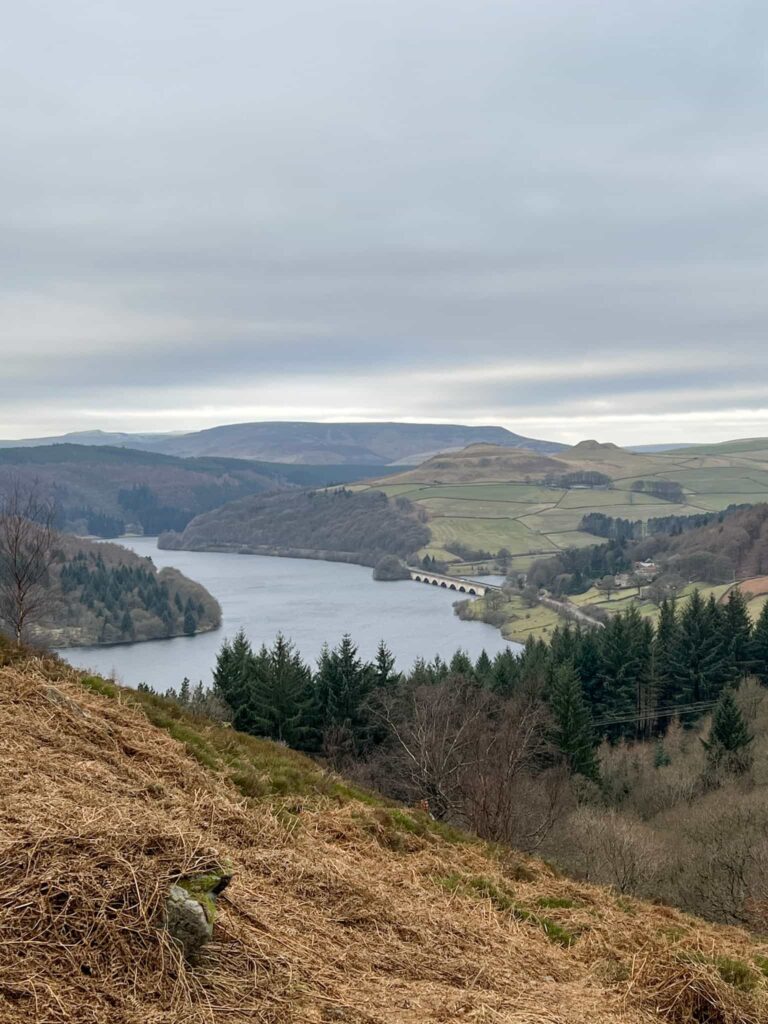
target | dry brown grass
x=338, y=911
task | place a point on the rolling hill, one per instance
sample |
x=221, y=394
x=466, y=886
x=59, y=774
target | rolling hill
x=491, y=498
x=340, y=907
x=361, y=444
x=106, y=490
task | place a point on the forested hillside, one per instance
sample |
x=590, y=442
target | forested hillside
x=325, y=901
x=340, y=525
x=102, y=593
x=106, y=491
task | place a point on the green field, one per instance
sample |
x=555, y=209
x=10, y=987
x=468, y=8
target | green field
x=489, y=498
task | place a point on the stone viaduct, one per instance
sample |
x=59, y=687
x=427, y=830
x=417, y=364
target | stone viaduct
x=457, y=583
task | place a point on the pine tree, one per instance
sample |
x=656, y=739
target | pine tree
x=738, y=631
x=505, y=675
x=624, y=672
x=232, y=671
x=385, y=667
x=280, y=697
x=667, y=685
x=483, y=667
x=587, y=661
x=729, y=739
x=184, y=692
x=573, y=733
x=127, y=628
x=461, y=665
x=759, y=646
x=190, y=622
x=343, y=686
x=700, y=664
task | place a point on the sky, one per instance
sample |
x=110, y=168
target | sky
x=550, y=215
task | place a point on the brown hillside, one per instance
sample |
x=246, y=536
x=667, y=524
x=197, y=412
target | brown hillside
x=489, y=463
x=339, y=910
x=481, y=463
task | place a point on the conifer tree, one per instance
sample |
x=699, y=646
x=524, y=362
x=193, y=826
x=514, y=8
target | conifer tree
x=234, y=663
x=127, y=628
x=385, y=667
x=729, y=740
x=184, y=692
x=700, y=663
x=573, y=733
x=738, y=631
x=759, y=646
x=281, y=703
x=624, y=672
x=343, y=686
x=461, y=665
x=483, y=667
x=667, y=684
x=505, y=674
x=587, y=661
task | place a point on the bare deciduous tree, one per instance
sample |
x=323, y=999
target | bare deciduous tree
x=515, y=792
x=27, y=538
x=476, y=760
x=435, y=728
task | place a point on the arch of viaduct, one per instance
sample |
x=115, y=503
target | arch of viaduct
x=461, y=586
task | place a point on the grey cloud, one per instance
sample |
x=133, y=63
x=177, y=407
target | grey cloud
x=244, y=193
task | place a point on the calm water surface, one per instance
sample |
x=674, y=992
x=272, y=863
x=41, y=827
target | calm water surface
x=309, y=601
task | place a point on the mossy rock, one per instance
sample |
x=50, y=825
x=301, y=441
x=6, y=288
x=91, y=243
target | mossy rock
x=190, y=910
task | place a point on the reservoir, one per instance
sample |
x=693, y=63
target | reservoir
x=310, y=602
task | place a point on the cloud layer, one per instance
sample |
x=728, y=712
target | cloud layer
x=549, y=215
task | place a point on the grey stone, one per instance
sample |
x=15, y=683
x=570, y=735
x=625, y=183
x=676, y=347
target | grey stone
x=187, y=921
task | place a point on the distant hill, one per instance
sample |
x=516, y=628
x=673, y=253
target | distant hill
x=91, y=437
x=312, y=443
x=484, y=463
x=106, y=491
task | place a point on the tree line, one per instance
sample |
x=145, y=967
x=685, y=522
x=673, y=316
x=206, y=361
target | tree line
x=629, y=680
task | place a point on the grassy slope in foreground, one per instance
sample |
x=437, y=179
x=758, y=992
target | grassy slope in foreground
x=486, y=497
x=341, y=908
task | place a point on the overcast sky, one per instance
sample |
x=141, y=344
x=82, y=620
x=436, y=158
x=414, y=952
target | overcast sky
x=545, y=214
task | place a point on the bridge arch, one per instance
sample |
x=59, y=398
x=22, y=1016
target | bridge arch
x=434, y=583
x=472, y=591
x=452, y=586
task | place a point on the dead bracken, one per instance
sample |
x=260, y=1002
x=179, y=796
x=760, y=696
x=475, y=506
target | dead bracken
x=338, y=908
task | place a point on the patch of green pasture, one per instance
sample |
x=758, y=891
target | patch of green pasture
x=394, y=490
x=441, y=554
x=525, y=493
x=575, y=539
x=717, y=502
x=479, y=509
x=594, y=498
x=488, y=535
